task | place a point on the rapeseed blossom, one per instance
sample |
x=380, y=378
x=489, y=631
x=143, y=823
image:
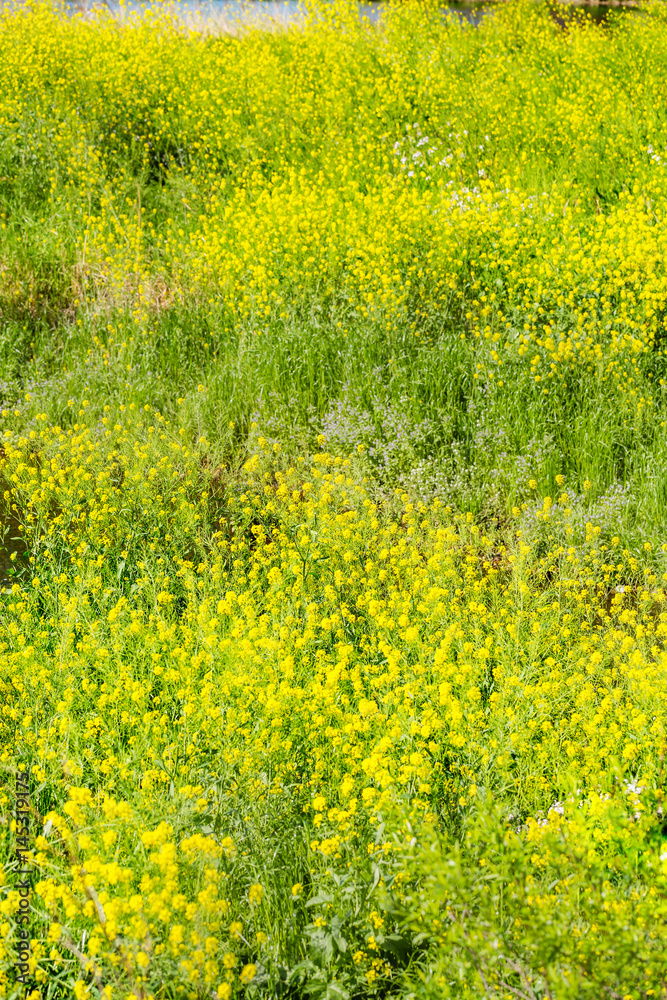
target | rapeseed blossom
x=363, y=661
x=294, y=727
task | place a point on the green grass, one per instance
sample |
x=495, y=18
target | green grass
x=364, y=327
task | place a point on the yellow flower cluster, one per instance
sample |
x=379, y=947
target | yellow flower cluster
x=287, y=727
x=448, y=224
x=459, y=222
x=291, y=638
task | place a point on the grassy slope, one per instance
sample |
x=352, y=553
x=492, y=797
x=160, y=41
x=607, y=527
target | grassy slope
x=332, y=367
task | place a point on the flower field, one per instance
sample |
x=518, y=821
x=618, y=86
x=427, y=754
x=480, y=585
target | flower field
x=333, y=475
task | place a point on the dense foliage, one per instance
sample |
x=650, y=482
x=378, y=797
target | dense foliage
x=332, y=489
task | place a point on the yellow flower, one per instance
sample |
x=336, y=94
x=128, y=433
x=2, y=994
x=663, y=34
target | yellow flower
x=248, y=973
x=255, y=894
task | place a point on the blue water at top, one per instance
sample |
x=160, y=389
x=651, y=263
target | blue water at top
x=284, y=12
x=258, y=12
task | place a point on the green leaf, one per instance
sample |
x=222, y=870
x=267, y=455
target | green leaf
x=324, y=897
x=336, y=925
x=335, y=991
